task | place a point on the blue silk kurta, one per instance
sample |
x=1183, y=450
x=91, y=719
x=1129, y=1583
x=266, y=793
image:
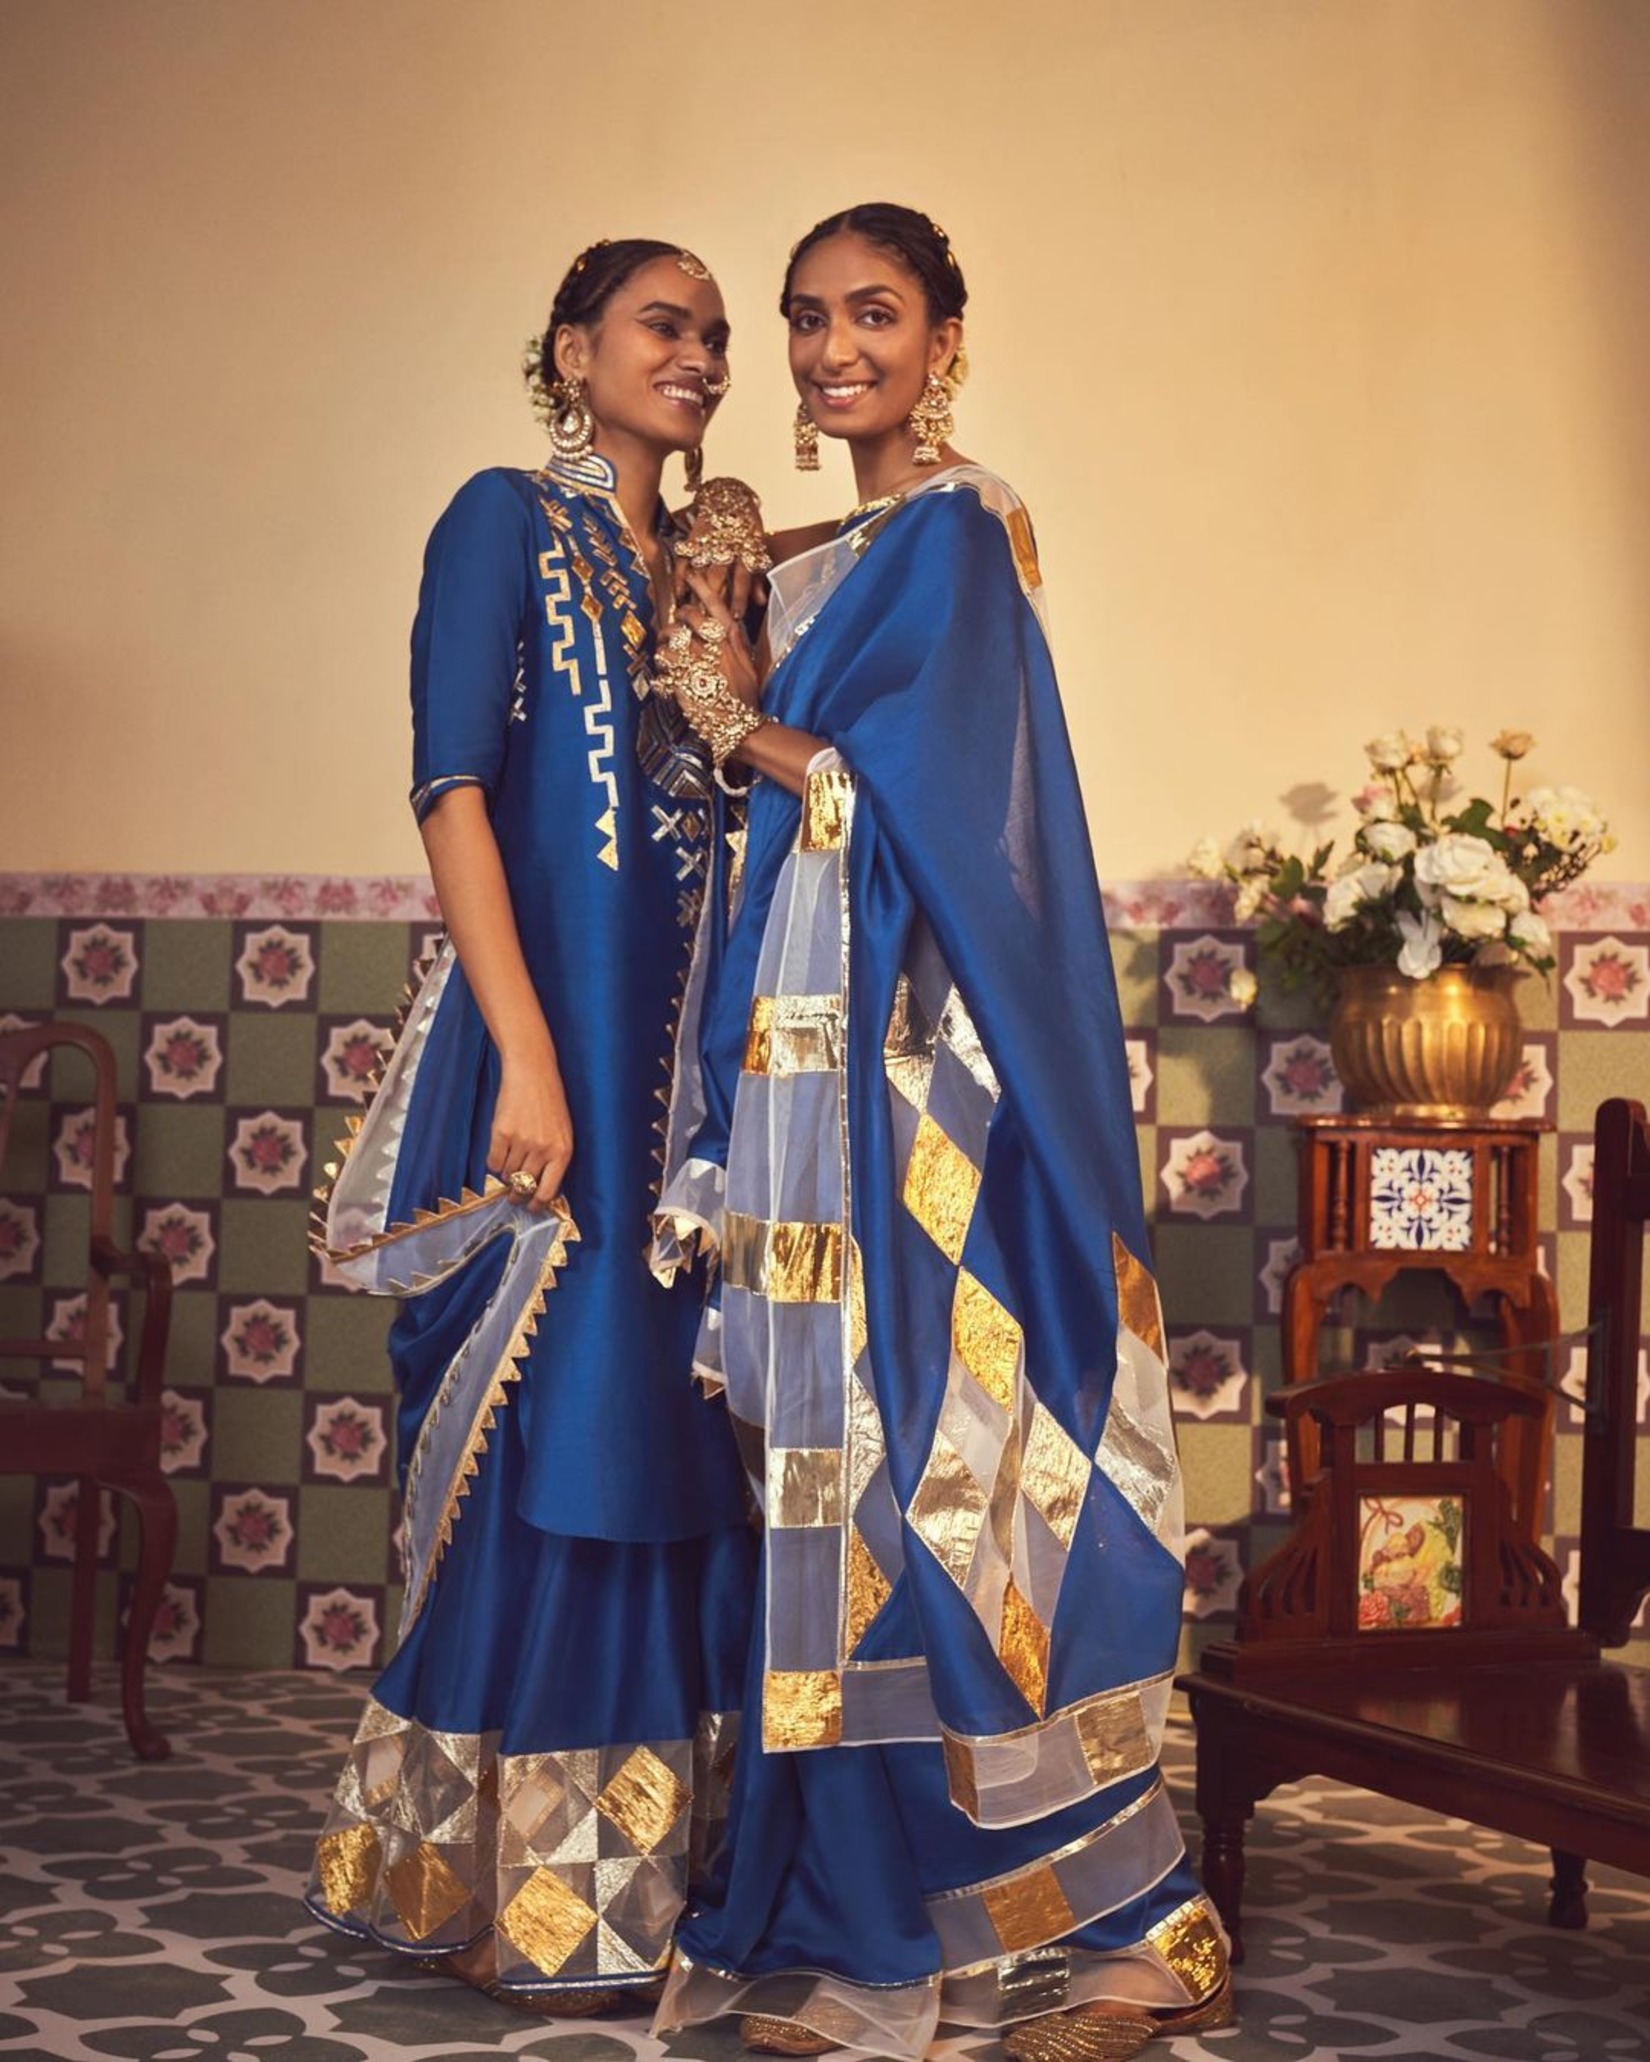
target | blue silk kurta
x=544, y=1761
x=516, y=688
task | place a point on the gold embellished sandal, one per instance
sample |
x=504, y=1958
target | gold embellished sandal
x=763, y=2035
x=1112, y=2032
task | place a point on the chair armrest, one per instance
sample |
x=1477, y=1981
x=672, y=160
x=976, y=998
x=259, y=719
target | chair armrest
x=153, y=1272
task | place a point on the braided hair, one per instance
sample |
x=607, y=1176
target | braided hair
x=919, y=244
x=592, y=280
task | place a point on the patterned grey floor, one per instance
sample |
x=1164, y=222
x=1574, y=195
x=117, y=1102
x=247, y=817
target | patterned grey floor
x=151, y=1913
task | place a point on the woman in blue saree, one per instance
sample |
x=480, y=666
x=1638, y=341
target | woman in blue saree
x=901, y=1118
x=542, y=1764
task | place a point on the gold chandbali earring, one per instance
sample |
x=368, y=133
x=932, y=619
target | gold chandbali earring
x=806, y=433
x=930, y=422
x=572, y=426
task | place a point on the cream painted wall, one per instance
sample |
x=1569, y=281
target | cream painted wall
x=1314, y=332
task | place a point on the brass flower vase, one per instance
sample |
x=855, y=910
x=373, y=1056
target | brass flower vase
x=1446, y=1047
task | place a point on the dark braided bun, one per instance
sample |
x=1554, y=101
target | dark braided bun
x=593, y=278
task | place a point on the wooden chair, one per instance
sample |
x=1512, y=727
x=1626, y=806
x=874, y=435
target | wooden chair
x=106, y=1441
x=1409, y=1638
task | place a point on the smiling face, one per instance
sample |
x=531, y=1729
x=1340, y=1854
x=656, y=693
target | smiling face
x=656, y=362
x=862, y=338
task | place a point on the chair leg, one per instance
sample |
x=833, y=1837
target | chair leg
x=157, y=1511
x=1569, y=1887
x=83, y=1607
x=1223, y=1871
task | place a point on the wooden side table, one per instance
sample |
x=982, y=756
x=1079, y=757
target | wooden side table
x=1380, y=1198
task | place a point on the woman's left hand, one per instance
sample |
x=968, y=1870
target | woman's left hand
x=732, y=649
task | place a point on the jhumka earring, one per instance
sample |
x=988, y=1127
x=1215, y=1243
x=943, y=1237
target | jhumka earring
x=931, y=421
x=806, y=433
x=572, y=426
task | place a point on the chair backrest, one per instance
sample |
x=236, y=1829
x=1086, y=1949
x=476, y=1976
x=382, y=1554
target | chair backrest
x=1615, y=1553
x=1405, y=1551
x=18, y=1052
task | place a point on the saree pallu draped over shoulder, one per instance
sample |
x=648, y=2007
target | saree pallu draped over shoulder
x=544, y=1762
x=905, y=1125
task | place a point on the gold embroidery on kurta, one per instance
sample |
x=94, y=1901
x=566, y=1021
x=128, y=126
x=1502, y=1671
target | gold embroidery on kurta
x=794, y=1034
x=986, y=1339
x=804, y=1485
x=546, y=1920
x=425, y=1891
x=1138, y=1310
x=644, y=1800
x=1026, y=1911
x=786, y=1262
x=1189, y=1940
x=801, y=1707
x=941, y=1184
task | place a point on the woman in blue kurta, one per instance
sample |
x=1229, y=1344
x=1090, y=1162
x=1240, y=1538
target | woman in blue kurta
x=903, y=1122
x=544, y=1761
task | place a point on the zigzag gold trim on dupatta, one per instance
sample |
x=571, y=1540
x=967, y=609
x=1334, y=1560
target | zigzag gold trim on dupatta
x=539, y=1254
x=408, y=1256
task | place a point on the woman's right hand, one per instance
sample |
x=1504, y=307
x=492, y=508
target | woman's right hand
x=532, y=1126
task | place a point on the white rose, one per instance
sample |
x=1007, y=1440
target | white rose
x=1248, y=899
x=1531, y=934
x=1387, y=840
x=1472, y=919
x=1514, y=895
x=1444, y=743
x=1422, y=951
x=1242, y=987
x=1460, y=865
x=1203, y=861
x=1356, y=886
x=1251, y=846
x=1389, y=751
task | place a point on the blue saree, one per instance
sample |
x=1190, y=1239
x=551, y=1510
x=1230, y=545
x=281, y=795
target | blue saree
x=544, y=1761
x=901, y=1117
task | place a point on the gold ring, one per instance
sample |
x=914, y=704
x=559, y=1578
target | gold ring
x=523, y=1184
x=712, y=630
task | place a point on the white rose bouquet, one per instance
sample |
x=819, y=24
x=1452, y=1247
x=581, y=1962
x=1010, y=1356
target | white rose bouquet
x=1425, y=883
